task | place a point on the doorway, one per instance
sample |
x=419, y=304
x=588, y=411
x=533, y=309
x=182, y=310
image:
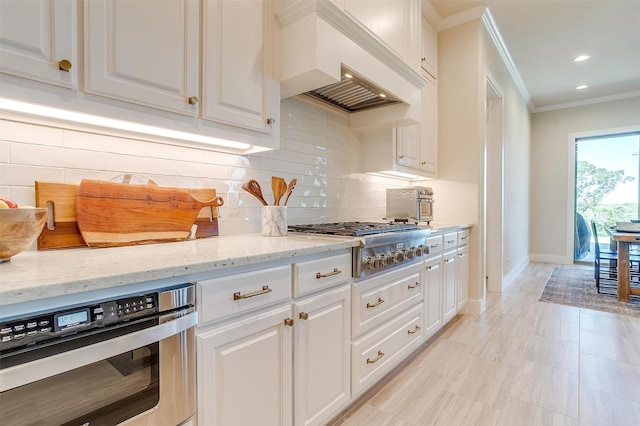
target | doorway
x=607, y=189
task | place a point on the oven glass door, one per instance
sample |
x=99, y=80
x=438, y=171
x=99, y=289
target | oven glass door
x=106, y=392
x=426, y=209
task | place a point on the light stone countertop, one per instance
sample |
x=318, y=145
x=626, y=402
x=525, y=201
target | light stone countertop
x=35, y=275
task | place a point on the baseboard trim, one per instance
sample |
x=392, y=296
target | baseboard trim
x=476, y=307
x=511, y=276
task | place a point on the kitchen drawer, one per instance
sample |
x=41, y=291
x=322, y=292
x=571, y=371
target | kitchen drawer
x=450, y=240
x=239, y=293
x=377, y=353
x=377, y=300
x=435, y=245
x=463, y=237
x=322, y=273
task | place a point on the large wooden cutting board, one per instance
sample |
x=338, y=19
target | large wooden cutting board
x=62, y=230
x=117, y=214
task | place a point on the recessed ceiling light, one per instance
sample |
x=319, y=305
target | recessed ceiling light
x=581, y=58
x=582, y=86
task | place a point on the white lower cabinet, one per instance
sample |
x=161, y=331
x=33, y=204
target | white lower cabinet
x=463, y=276
x=244, y=371
x=321, y=360
x=376, y=353
x=449, y=276
x=433, y=295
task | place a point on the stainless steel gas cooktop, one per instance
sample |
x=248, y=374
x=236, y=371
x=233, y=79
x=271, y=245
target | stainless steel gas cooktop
x=384, y=245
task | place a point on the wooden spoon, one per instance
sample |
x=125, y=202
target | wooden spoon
x=279, y=187
x=292, y=185
x=253, y=188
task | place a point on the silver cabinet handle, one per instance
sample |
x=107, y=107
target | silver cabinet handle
x=372, y=361
x=238, y=296
x=335, y=271
x=411, y=287
x=449, y=260
x=414, y=331
x=379, y=302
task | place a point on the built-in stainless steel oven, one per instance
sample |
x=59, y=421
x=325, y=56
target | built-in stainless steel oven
x=129, y=360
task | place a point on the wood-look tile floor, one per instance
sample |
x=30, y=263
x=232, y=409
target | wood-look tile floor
x=523, y=362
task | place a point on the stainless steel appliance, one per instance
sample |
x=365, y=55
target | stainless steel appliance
x=129, y=360
x=413, y=203
x=383, y=246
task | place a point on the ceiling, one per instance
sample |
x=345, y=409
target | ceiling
x=543, y=37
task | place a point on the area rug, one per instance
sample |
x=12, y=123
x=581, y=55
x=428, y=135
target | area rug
x=576, y=286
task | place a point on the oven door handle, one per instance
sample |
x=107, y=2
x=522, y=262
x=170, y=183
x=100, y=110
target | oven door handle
x=22, y=374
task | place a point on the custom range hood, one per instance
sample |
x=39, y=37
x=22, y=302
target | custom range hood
x=326, y=55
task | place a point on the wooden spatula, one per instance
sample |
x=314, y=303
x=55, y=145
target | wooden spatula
x=279, y=187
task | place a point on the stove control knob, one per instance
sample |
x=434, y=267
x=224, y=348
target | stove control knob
x=422, y=250
x=371, y=263
x=398, y=256
x=381, y=260
x=410, y=253
x=388, y=259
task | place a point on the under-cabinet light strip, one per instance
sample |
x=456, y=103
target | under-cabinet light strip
x=79, y=117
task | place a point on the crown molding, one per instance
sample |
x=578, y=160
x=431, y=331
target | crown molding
x=498, y=41
x=590, y=101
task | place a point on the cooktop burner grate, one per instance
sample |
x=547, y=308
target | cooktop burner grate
x=354, y=229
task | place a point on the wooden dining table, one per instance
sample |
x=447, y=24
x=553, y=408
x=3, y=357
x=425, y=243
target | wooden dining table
x=624, y=240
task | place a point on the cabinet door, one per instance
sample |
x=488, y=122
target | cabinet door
x=144, y=52
x=463, y=276
x=321, y=356
x=433, y=295
x=239, y=81
x=408, y=146
x=449, y=275
x=244, y=372
x=35, y=36
x=429, y=58
x=429, y=129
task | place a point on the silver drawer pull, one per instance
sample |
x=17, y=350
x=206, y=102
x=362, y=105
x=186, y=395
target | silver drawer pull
x=379, y=302
x=449, y=260
x=451, y=241
x=463, y=238
x=411, y=287
x=335, y=271
x=372, y=361
x=238, y=296
x=414, y=331
x=434, y=245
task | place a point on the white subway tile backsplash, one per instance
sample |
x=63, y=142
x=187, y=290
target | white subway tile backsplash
x=317, y=148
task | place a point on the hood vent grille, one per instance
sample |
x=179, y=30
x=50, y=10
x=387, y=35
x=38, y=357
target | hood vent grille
x=353, y=94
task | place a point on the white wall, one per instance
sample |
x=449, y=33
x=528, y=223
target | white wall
x=465, y=53
x=317, y=148
x=550, y=169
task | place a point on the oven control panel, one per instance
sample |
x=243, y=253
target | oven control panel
x=58, y=324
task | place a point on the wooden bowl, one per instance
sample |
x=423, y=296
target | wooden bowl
x=18, y=229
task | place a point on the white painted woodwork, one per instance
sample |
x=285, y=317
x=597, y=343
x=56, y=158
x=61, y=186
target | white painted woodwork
x=144, y=52
x=318, y=274
x=450, y=240
x=240, y=86
x=322, y=361
x=376, y=353
x=216, y=296
x=51, y=37
x=463, y=277
x=449, y=276
x=433, y=294
x=380, y=298
x=429, y=59
x=244, y=372
x=429, y=130
x=434, y=244
x=408, y=146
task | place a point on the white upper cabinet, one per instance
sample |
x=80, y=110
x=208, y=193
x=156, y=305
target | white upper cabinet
x=429, y=59
x=144, y=52
x=408, y=146
x=240, y=86
x=395, y=22
x=38, y=41
x=429, y=130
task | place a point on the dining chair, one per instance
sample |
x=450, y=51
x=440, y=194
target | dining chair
x=606, y=264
